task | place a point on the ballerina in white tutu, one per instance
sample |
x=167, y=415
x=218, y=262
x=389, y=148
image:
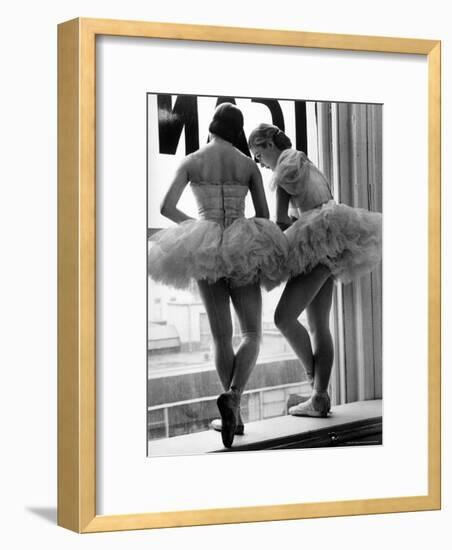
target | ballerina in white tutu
x=328, y=242
x=228, y=255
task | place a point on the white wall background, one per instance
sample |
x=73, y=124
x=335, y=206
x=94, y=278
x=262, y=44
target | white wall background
x=28, y=271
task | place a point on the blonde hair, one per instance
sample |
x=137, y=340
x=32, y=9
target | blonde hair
x=267, y=133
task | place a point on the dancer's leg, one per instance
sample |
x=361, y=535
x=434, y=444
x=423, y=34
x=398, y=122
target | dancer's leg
x=247, y=301
x=318, y=314
x=216, y=300
x=296, y=297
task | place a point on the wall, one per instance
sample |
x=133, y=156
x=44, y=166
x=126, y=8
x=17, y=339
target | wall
x=28, y=295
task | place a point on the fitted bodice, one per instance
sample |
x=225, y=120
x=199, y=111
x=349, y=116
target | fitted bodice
x=220, y=202
x=302, y=180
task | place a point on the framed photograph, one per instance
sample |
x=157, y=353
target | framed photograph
x=248, y=275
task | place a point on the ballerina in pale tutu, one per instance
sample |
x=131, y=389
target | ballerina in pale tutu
x=228, y=255
x=328, y=242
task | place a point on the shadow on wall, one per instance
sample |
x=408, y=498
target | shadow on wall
x=49, y=514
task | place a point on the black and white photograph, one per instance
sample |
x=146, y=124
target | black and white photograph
x=226, y=275
x=264, y=273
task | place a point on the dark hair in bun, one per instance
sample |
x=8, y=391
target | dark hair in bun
x=227, y=122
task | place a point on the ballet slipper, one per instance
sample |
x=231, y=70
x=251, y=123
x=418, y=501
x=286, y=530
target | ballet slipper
x=216, y=425
x=228, y=404
x=239, y=430
x=318, y=406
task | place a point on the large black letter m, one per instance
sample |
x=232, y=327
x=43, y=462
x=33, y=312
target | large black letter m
x=172, y=120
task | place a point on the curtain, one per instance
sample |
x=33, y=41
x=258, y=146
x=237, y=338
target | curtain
x=349, y=143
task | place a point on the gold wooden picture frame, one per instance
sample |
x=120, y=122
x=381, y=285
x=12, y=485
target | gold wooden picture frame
x=77, y=274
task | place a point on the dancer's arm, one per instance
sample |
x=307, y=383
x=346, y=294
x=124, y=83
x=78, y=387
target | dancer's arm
x=258, y=193
x=282, y=208
x=168, y=208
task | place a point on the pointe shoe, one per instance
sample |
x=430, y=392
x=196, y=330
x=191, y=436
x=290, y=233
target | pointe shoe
x=295, y=399
x=228, y=404
x=216, y=425
x=318, y=406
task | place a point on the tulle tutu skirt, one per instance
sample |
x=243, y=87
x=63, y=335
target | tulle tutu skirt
x=347, y=240
x=247, y=251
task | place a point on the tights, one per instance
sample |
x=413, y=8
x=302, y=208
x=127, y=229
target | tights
x=233, y=369
x=311, y=292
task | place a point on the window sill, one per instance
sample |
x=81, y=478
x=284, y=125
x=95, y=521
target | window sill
x=358, y=423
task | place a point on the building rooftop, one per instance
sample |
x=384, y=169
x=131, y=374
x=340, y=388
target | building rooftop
x=168, y=364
